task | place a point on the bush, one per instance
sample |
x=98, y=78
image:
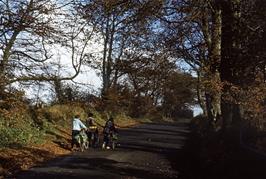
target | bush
x=62, y=114
x=17, y=127
x=19, y=135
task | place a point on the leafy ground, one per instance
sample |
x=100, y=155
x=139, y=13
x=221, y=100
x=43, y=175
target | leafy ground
x=16, y=159
x=56, y=143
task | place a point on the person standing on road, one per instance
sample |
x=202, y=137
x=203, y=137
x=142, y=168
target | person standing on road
x=92, y=132
x=109, y=125
x=90, y=121
x=108, y=131
x=77, y=126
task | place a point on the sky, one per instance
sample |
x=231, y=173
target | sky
x=60, y=53
x=88, y=76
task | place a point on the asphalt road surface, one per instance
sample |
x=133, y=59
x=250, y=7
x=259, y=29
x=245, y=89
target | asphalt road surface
x=146, y=151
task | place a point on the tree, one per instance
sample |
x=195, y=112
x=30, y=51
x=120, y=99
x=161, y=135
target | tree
x=177, y=94
x=193, y=34
x=29, y=34
x=243, y=63
x=222, y=42
x=120, y=23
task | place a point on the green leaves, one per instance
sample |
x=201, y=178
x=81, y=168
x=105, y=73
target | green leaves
x=18, y=136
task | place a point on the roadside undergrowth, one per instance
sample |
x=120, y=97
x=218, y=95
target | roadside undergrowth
x=30, y=137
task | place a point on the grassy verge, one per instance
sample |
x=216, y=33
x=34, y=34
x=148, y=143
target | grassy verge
x=29, y=138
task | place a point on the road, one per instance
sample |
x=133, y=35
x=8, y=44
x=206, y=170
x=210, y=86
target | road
x=145, y=151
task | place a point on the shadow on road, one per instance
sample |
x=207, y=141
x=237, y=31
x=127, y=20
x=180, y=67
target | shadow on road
x=147, y=151
x=101, y=168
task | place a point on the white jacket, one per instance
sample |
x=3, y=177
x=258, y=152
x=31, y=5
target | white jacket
x=78, y=125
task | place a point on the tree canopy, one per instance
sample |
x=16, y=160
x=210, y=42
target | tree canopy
x=140, y=45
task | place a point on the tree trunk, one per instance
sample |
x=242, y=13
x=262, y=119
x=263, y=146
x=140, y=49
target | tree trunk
x=231, y=112
x=109, y=58
x=58, y=91
x=4, y=63
x=213, y=94
x=201, y=100
x=104, y=71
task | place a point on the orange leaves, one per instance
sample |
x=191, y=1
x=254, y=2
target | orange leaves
x=212, y=82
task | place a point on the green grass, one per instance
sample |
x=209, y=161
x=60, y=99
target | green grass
x=25, y=133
